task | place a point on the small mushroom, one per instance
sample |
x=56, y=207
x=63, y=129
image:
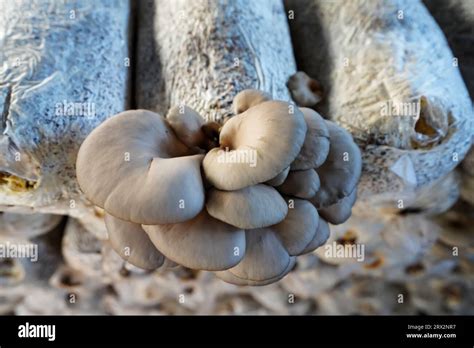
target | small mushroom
x=131, y=242
x=255, y=146
x=301, y=183
x=129, y=166
x=202, y=243
x=299, y=227
x=251, y=207
x=304, y=90
x=265, y=261
x=341, y=171
x=339, y=212
x=279, y=179
x=320, y=237
x=316, y=143
x=187, y=125
x=248, y=98
x=191, y=129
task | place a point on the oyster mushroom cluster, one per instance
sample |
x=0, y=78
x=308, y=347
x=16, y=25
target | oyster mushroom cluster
x=242, y=200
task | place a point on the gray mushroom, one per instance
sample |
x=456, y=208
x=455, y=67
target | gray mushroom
x=320, y=237
x=128, y=166
x=131, y=242
x=316, y=143
x=299, y=227
x=304, y=90
x=253, y=148
x=191, y=129
x=279, y=179
x=341, y=171
x=187, y=124
x=265, y=261
x=248, y=98
x=339, y=212
x=201, y=243
x=251, y=207
x=271, y=251
x=301, y=183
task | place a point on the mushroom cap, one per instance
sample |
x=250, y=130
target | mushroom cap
x=279, y=179
x=301, y=183
x=131, y=242
x=202, y=243
x=320, y=237
x=248, y=98
x=187, y=124
x=251, y=207
x=271, y=133
x=265, y=260
x=316, y=143
x=339, y=212
x=231, y=278
x=341, y=171
x=304, y=90
x=299, y=227
x=128, y=166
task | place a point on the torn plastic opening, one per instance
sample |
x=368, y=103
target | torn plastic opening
x=16, y=184
x=431, y=126
x=19, y=172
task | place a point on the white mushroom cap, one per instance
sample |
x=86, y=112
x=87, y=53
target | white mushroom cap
x=265, y=261
x=131, y=242
x=299, y=227
x=304, y=90
x=316, y=143
x=339, y=212
x=271, y=133
x=320, y=237
x=187, y=124
x=279, y=179
x=301, y=183
x=341, y=171
x=202, y=243
x=251, y=207
x=126, y=166
x=248, y=98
